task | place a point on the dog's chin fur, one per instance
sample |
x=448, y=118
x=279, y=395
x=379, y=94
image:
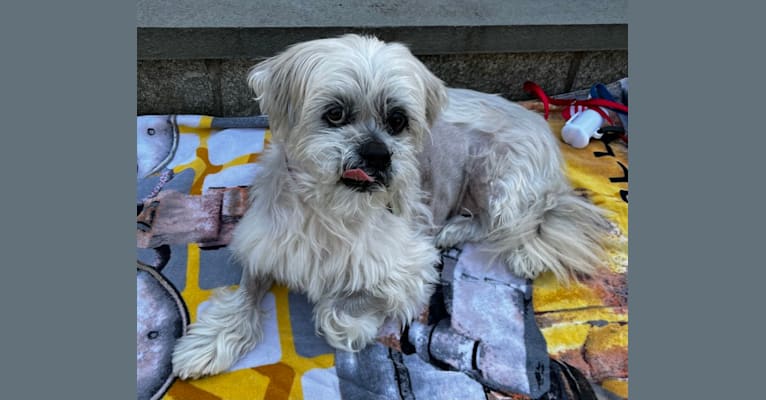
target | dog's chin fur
x=483, y=170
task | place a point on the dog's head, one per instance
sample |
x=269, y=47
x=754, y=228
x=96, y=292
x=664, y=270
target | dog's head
x=351, y=112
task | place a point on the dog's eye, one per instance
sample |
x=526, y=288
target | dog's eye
x=396, y=121
x=335, y=116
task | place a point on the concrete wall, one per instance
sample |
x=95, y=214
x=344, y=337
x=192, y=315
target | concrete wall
x=217, y=87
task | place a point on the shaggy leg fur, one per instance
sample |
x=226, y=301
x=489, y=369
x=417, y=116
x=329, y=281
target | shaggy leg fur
x=229, y=328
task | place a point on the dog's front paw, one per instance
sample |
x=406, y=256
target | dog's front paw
x=346, y=332
x=458, y=230
x=353, y=334
x=444, y=240
x=195, y=355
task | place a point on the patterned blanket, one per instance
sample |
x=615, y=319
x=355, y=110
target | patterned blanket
x=529, y=339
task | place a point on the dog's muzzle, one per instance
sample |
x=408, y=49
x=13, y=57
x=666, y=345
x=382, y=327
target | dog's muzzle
x=372, y=173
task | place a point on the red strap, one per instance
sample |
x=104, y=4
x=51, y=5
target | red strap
x=594, y=104
x=535, y=89
x=613, y=105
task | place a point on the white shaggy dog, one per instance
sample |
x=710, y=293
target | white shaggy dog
x=374, y=164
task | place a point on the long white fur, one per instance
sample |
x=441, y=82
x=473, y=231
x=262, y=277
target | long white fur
x=484, y=170
x=527, y=213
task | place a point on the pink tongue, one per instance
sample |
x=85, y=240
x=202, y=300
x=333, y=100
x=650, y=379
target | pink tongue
x=357, y=175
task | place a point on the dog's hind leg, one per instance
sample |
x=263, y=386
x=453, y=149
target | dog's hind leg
x=225, y=331
x=561, y=232
x=538, y=223
x=535, y=220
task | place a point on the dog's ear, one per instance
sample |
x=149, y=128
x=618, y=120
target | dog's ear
x=436, y=93
x=259, y=79
x=278, y=89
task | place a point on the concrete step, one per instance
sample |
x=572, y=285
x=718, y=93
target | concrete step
x=193, y=55
x=200, y=29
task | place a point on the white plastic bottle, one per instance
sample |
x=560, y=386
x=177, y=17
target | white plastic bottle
x=581, y=127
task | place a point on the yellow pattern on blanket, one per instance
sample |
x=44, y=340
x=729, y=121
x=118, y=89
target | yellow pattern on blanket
x=586, y=323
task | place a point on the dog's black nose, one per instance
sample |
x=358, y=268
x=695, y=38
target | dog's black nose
x=375, y=154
